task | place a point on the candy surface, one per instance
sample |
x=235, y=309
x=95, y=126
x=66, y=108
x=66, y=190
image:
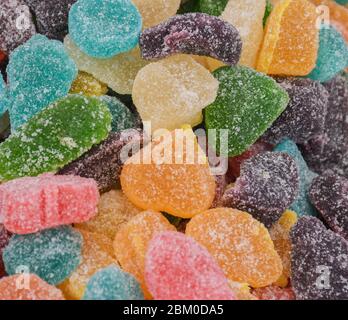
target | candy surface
x=2, y=96
x=212, y=7
x=274, y=293
x=4, y=239
x=87, y=85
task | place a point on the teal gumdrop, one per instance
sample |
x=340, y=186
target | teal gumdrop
x=103, y=29
x=2, y=96
x=332, y=55
x=343, y=2
x=302, y=205
x=112, y=283
x=39, y=73
x=52, y=254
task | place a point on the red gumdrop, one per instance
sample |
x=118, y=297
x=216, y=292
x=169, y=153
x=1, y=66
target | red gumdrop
x=4, y=239
x=274, y=293
x=2, y=56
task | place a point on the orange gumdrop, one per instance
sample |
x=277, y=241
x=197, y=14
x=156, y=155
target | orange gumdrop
x=291, y=40
x=240, y=244
x=132, y=240
x=27, y=287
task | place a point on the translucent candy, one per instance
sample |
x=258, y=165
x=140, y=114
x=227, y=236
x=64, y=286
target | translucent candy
x=274, y=293
x=267, y=186
x=212, y=7
x=87, y=85
x=283, y=51
x=39, y=73
x=190, y=273
x=247, y=104
x=103, y=29
x=173, y=92
x=118, y=72
x=247, y=17
x=4, y=239
x=269, y=8
x=114, y=210
x=188, y=33
x=28, y=287
x=132, y=240
x=54, y=137
x=240, y=244
x=51, y=254
x=318, y=262
x=112, y=283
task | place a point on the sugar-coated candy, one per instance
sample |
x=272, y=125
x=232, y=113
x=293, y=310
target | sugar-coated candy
x=16, y=24
x=52, y=254
x=305, y=114
x=283, y=51
x=267, y=186
x=274, y=293
x=103, y=29
x=52, y=138
x=118, y=72
x=332, y=55
x=114, y=210
x=247, y=17
x=302, y=205
x=97, y=253
x=268, y=10
x=241, y=291
x=31, y=204
x=173, y=92
x=329, y=194
x=87, y=85
x=221, y=185
x=246, y=105
x=181, y=184
x=112, y=283
x=189, y=6
x=39, y=73
x=212, y=7
x=4, y=239
x=189, y=273
x=2, y=96
x=28, y=287
x=103, y=162
x=188, y=33
x=318, y=262
x=240, y=244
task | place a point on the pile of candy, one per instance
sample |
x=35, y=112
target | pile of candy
x=169, y=149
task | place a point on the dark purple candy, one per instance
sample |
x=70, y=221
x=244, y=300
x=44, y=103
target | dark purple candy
x=103, y=162
x=221, y=185
x=267, y=186
x=305, y=115
x=319, y=262
x=4, y=239
x=329, y=194
x=192, y=33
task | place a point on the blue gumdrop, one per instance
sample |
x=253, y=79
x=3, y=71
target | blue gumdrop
x=302, y=205
x=39, y=73
x=2, y=96
x=112, y=283
x=103, y=29
x=332, y=55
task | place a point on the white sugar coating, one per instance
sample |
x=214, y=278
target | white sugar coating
x=173, y=92
x=118, y=72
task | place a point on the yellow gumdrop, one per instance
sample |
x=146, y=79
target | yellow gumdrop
x=87, y=85
x=214, y=64
x=241, y=290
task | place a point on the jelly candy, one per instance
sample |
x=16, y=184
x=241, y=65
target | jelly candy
x=181, y=185
x=132, y=239
x=188, y=33
x=118, y=72
x=318, y=262
x=332, y=55
x=28, y=287
x=247, y=104
x=269, y=8
x=31, y=204
x=283, y=51
x=274, y=293
x=112, y=283
x=39, y=73
x=16, y=24
x=302, y=204
x=189, y=6
x=87, y=85
x=2, y=96
x=267, y=186
x=240, y=244
x=114, y=210
x=189, y=273
x=241, y=291
x=304, y=116
x=54, y=137
x=221, y=185
x=247, y=17
x=51, y=254
x=4, y=239
x=173, y=92
x=212, y=7
x=329, y=195
x=103, y=29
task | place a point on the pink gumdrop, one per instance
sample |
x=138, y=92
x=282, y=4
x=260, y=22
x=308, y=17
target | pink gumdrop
x=178, y=268
x=30, y=204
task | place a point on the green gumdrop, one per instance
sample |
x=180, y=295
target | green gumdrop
x=247, y=104
x=189, y=6
x=212, y=7
x=268, y=10
x=54, y=137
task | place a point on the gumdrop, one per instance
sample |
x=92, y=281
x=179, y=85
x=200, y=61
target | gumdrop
x=2, y=96
x=240, y=244
x=212, y=7
x=51, y=254
x=189, y=6
x=274, y=293
x=268, y=10
x=4, y=239
x=87, y=85
x=103, y=29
